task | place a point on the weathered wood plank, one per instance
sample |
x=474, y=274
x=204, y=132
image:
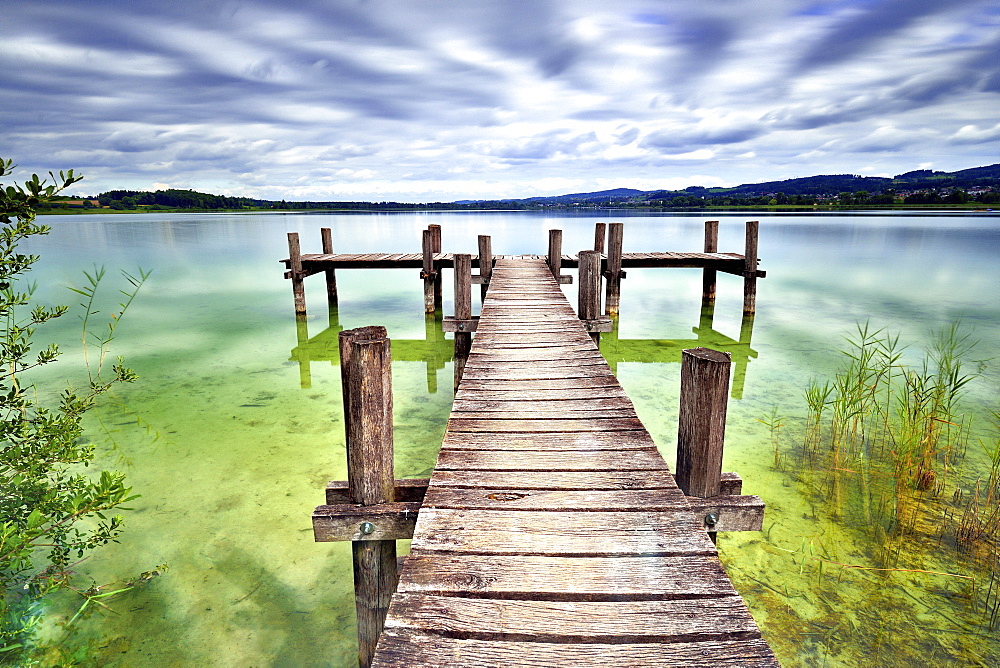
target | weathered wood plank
x=567, y=578
x=490, y=392
x=594, y=412
x=572, y=500
x=567, y=460
x=461, y=406
x=560, y=533
x=401, y=648
x=556, y=479
x=663, y=621
x=389, y=521
x=619, y=440
x=579, y=424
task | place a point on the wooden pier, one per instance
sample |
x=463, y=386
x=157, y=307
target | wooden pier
x=552, y=532
x=613, y=262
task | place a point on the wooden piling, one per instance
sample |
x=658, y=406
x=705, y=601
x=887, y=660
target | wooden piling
x=295, y=266
x=614, y=274
x=711, y=246
x=485, y=262
x=701, y=428
x=428, y=273
x=555, y=252
x=302, y=339
x=589, y=295
x=599, y=234
x=436, y=248
x=331, y=273
x=366, y=373
x=463, y=311
x=750, y=269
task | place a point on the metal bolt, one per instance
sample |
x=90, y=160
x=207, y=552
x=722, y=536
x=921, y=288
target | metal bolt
x=367, y=528
x=711, y=519
x=461, y=327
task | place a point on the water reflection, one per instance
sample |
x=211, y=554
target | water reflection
x=668, y=351
x=436, y=351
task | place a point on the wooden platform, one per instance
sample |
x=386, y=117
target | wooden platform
x=314, y=263
x=552, y=533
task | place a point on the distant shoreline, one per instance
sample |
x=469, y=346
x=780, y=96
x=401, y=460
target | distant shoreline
x=707, y=209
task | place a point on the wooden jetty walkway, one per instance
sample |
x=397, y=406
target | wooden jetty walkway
x=552, y=533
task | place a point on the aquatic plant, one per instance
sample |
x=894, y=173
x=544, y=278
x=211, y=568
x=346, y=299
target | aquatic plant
x=52, y=514
x=885, y=451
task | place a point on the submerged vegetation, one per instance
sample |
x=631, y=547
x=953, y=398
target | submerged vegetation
x=53, y=512
x=889, y=450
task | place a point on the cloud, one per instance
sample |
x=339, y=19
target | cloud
x=416, y=99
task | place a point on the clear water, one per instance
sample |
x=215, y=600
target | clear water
x=230, y=436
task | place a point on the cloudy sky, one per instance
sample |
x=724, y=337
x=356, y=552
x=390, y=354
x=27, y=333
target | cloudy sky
x=438, y=100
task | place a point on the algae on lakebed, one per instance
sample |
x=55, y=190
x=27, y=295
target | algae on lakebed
x=230, y=453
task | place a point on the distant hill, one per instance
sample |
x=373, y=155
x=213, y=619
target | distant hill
x=922, y=186
x=828, y=185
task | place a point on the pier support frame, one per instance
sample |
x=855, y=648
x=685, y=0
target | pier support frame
x=750, y=269
x=331, y=274
x=709, y=276
x=463, y=312
x=297, y=276
x=614, y=273
x=366, y=374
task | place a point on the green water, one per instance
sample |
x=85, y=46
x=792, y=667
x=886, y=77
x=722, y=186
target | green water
x=234, y=427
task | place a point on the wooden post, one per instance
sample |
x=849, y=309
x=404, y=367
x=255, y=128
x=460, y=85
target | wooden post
x=331, y=274
x=750, y=270
x=711, y=246
x=599, y=234
x=701, y=428
x=302, y=339
x=555, y=252
x=427, y=273
x=589, y=296
x=463, y=311
x=614, y=275
x=431, y=331
x=298, y=285
x=366, y=373
x=436, y=248
x=485, y=262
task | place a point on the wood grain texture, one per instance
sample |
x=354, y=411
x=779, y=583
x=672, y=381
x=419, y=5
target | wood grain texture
x=533, y=577
x=403, y=648
x=552, y=532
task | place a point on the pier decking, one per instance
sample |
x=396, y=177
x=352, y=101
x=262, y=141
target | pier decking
x=315, y=263
x=552, y=532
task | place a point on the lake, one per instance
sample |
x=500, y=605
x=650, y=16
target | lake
x=233, y=428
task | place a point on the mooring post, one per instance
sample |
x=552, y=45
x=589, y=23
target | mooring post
x=463, y=311
x=750, y=269
x=614, y=274
x=485, y=262
x=295, y=268
x=366, y=375
x=331, y=273
x=302, y=350
x=711, y=246
x=554, y=258
x=428, y=272
x=436, y=248
x=701, y=428
x=599, y=234
x=589, y=295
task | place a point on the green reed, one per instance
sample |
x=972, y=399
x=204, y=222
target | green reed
x=885, y=449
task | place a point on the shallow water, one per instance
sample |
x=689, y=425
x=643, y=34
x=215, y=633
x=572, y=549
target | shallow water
x=230, y=437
